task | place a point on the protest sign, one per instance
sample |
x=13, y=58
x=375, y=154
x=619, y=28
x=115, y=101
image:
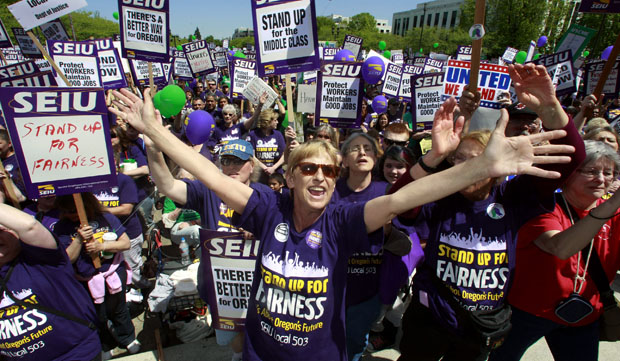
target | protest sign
x=199, y=58
x=575, y=38
x=593, y=73
x=144, y=29
x=5, y=39
x=54, y=31
x=26, y=45
x=306, y=98
x=309, y=76
x=140, y=72
x=419, y=61
x=285, y=36
x=180, y=66
x=61, y=139
x=255, y=88
x=560, y=69
x=492, y=81
x=228, y=271
x=354, y=44
x=32, y=13
x=78, y=62
x=328, y=53
x=404, y=92
x=463, y=52
x=225, y=43
x=221, y=59
x=339, y=92
x=433, y=65
x=250, y=54
x=397, y=57
x=600, y=6
x=530, y=50
x=166, y=67
x=13, y=55
x=26, y=74
x=509, y=55
x=110, y=68
x=242, y=71
x=391, y=80
x=426, y=90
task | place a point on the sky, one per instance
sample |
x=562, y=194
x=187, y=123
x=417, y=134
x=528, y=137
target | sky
x=220, y=18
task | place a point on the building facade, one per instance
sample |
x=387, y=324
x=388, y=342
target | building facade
x=242, y=33
x=438, y=13
x=381, y=24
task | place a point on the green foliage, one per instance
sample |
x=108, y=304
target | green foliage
x=241, y=42
x=362, y=23
x=197, y=34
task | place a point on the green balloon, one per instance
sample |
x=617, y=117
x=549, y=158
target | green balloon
x=179, y=47
x=387, y=54
x=435, y=45
x=586, y=53
x=157, y=100
x=239, y=54
x=171, y=100
x=115, y=15
x=520, y=57
x=382, y=45
x=536, y=56
x=193, y=37
x=421, y=50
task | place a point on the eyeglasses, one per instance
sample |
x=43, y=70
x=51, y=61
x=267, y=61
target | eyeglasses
x=389, y=142
x=227, y=161
x=356, y=149
x=595, y=173
x=211, y=84
x=227, y=114
x=329, y=170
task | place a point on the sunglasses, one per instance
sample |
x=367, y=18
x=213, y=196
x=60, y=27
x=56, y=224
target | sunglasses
x=329, y=170
x=227, y=161
x=389, y=142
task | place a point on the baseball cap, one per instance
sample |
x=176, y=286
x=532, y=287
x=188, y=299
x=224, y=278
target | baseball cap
x=238, y=148
x=519, y=110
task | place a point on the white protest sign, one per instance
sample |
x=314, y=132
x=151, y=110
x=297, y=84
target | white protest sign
x=5, y=39
x=493, y=80
x=225, y=43
x=145, y=29
x=32, y=13
x=54, y=31
x=530, y=50
x=13, y=55
x=44, y=65
x=180, y=67
x=328, y=53
x=391, y=80
x=339, y=93
x=140, y=70
x=398, y=57
x=306, y=98
x=405, y=80
x=433, y=65
x=560, y=68
x=26, y=45
x=242, y=71
x=426, y=98
x=110, y=67
x=509, y=55
x=78, y=61
x=199, y=57
x=255, y=88
x=221, y=59
x=353, y=44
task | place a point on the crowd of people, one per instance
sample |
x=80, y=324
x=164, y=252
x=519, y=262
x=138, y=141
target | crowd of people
x=432, y=232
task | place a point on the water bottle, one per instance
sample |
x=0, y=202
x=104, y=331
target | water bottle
x=184, y=248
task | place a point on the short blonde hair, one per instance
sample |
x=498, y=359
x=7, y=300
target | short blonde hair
x=309, y=150
x=479, y=136
x=265, y=118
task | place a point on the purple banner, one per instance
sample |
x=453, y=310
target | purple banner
x=5, y=39
x=340, y=91
x=463, y=52
x=144, y=29
x=78, y=60
x=199, y=58
x=241, y=72
x=229, y=263
x=285, y=36
x=605, y=6
x=425, y=98
x=26, y=74
x=110, y=67
x=61, y=139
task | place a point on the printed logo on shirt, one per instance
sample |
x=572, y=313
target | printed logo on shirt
x=314, y=239
x=496, y=211
x=9, y=167
x=281, y=232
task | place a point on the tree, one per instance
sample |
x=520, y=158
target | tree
x=362, y=23
x=197, y=34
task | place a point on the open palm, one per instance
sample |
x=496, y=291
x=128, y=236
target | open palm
x=533, y=85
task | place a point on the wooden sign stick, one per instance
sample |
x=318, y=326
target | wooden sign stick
x=3, y=58
x=77, y=197
x=289, y=101
x=151, y=78
x=598, y=91
x=476, y=49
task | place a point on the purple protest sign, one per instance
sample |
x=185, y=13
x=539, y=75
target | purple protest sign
x=354, y=44
x=26, y=74
x=285, y=36
x=404, y=93
x=433, y=65
x=463, y=52
x=78, y=61
x=199, y=58
x=560, y=69
x=61, y=139
x=180, y=66
x=13, y=55
x=241, y=72
x=110, y=67
x=340, y=91
x=144, y=29
x=426, y=92
x=229, y=263
x=5, y=39
x=329, y=54
x=26, y=45
x=606, y=6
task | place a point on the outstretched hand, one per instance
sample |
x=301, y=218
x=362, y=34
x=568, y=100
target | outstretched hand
x=533, y=85
x=446, y=132
x=140, y=114
x=518, y=155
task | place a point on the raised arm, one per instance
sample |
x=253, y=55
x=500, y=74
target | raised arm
x=172, y=188
x=587, y=105
x=27, y=228
x=141, y=115
x=503, y=156
x=249, y=123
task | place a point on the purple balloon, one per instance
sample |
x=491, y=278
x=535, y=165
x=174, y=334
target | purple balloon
x=542, y=41
x=380, y=104
x=373, y=70
x=607, y=52
x=199, y=126
x=344, y=55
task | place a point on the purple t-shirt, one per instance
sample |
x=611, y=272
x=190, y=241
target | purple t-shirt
x=67, y=230
x=12, y=167
x=47, y=219
x=138, y=153
x=45, y=276
x=125, y=192
x=363, y=269
x=267, y=148
x=297, y=303
x=471, y=246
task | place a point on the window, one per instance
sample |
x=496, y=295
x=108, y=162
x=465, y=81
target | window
x=405, y=25
x=453, y=21
x=415, y=22
x=436, y=20
x=422, y=20
x=444, y=22
x=428, y=19
x=397, y=26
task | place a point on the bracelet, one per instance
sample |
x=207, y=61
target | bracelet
x=424, y=166
x=602, y=218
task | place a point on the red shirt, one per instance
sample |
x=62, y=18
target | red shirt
x=543, y=280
